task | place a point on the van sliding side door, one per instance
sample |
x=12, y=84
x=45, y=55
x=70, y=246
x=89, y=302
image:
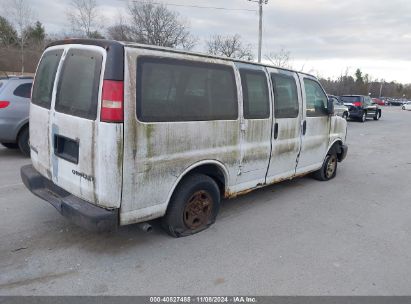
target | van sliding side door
x=255, y=127
x=286, y=132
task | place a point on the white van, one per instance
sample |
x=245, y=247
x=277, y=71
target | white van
x=123, y=133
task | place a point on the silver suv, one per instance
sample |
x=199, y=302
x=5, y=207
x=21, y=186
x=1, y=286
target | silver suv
x=14, y=112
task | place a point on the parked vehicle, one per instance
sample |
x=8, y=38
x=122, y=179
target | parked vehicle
x=395, y=102
x=361, y=107
x=14, y=112
x=123, y=133
x=339, y=108
x=378, y=101
x=407, y=106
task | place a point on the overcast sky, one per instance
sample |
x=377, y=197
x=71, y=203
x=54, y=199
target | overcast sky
x=324, y=37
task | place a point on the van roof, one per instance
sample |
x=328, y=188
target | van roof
x=112, y=44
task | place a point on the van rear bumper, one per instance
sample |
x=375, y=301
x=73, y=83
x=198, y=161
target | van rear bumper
x=78, y=211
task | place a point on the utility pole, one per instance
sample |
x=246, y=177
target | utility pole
x=260, y=25
x=382, y=82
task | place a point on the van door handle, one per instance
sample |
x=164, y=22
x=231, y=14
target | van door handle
x=275, y=130
x=304, y=127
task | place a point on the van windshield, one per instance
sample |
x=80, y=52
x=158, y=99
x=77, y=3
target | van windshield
x=78, y=88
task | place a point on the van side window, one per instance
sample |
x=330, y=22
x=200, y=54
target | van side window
x=285, y=96
x=44, y=82
x=316, y=99
x=78, y=87
x=181, y=90
x=255, y=94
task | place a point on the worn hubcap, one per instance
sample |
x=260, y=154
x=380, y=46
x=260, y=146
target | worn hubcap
x=332, y=164
x=198, y=210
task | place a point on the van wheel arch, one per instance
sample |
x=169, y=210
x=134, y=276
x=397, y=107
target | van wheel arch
x=215, y=170
x=23, y=146
x=336, y=148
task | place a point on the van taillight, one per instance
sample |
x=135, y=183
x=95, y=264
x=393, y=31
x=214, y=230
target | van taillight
x=112, y=101
x=357, y=104
x=4, y=104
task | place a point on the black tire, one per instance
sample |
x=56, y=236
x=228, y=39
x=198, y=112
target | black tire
x=363, y=118
x=193, y=207
x=23, y=141
x=329, y=168
x=377, y=115
x=403, y=108
x=10, y=146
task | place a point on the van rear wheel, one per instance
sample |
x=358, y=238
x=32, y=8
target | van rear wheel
x=193, y=207
x=328, y=169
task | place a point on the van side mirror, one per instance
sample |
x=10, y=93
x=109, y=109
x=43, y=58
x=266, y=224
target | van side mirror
x=330, y=107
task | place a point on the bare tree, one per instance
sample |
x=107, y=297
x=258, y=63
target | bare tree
x=155, y=24
x=83, y=16
x=281, y=59
x=21, y=13
x=229, y=46
x=120, y=31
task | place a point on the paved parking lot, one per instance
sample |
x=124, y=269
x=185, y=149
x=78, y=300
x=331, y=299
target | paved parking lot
x=349, y=236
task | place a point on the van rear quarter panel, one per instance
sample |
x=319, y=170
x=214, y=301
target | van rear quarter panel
x=157, y=154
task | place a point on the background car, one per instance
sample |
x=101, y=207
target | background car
x=407, y=106
x=14, y=112
x=360, y=107
x=378, y=101
x=339, y=108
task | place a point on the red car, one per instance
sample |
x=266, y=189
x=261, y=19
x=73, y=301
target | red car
x=378, y=101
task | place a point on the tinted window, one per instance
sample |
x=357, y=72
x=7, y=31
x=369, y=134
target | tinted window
x=316, y=99
x=367, y=100
x=177, y=90
x=285, y=96
x=45, y=76
x=23, y=90
x=334, y=100
x=255, y=94
x=78, y=88
x=350, y=98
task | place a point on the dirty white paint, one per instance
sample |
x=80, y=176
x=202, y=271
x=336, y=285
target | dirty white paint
x=100, y=147
x=140, y=174
x=158, y=155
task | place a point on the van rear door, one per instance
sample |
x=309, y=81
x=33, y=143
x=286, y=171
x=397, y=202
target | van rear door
x=85, y=153
x=42, y=95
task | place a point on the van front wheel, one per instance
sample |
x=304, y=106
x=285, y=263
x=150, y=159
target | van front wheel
x=328, y=169
x=193, y=207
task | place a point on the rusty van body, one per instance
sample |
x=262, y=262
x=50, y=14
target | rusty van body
x=125, y=133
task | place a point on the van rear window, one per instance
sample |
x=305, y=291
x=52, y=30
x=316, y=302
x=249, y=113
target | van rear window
x=181, y=90
x=45, y=76
x=78, y=88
